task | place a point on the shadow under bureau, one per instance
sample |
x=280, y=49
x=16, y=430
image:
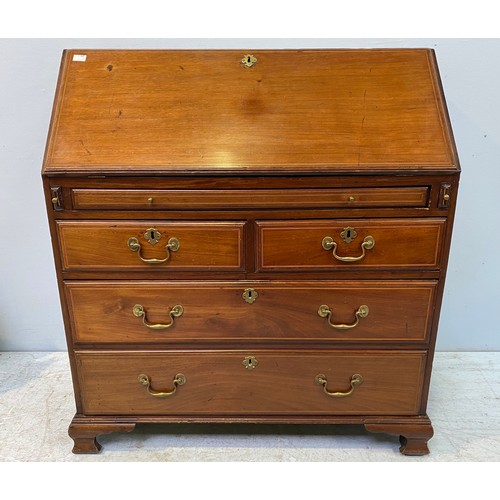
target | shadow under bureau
x=252, y=237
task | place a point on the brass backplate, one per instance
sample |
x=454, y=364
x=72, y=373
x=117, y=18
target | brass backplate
x=152, y=235
x=56, y=197
x=248, y=61
x=250, y=295
x=348, y=234
x=444, y=196
x=250, y=362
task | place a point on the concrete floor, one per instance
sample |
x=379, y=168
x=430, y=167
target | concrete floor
x=36, y=407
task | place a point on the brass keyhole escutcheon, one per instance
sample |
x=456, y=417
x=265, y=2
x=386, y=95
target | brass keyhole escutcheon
x=152, y=235
x=348, y=234
x=250, y=362
x=248, y=61
x=250, y=295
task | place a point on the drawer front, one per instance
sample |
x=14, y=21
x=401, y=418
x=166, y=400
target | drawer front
x=280, y=383
x=221, y=199
x=145, y=312
x=338, y=244
x=142, y=245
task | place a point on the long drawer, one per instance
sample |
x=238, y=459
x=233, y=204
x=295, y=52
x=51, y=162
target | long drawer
x=140, y=245
x=142, y=312
x=250, y=383
x=217, y=199
x=340, y=244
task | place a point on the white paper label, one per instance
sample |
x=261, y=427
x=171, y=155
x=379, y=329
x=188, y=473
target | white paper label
x=79, y=57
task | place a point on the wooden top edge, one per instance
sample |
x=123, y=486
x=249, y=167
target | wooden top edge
x=325, y=170
x=70, y=50
x=307, y=169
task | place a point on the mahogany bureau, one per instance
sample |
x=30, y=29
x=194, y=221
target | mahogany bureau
x=256, y=237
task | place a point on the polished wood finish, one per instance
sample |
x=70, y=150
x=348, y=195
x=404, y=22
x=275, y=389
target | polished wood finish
x=103, y=245
x=199, y=110
x=412, y=436
x=218, y=383
x=398, y=243
x=84, y=434
x=217, y=199
x=102, y=311
x=250, y=168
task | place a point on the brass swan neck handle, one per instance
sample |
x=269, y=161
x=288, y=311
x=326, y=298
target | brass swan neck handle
x=179, y=379
x=356, y=380
x=329, y=244
x=139, y=312
x=325, y=312
x=172, y=245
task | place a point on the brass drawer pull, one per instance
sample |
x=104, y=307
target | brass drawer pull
x=180, y=379
x=329, y=244
x=139, y=312
x=172, y=245
x=325, y=312
x=356, y=379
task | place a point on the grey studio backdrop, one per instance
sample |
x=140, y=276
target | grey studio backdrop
x=30, y=316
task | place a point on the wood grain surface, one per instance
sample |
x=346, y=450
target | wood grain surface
x=250, y=169
x=102, y=311
x=327, y=110
x=218, y=199
x=282, y=382
x=399, y=243
x=103, y=245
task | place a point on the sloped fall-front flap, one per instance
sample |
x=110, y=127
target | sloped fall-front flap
x=220, y=111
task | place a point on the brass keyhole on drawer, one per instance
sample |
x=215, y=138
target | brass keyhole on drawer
x=152, y=235
x=348, y=234
x=248, y=60
x=250, y=362
x=250, y=295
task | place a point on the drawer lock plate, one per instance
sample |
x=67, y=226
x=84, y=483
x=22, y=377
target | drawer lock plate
x=348, y=234
x=250, y=363
x=250, y=295
x=152, y=235
x=248, y=61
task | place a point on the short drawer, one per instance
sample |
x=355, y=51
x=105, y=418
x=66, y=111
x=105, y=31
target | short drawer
x=339, y=244
x=250, y=382
x=163, y=312
x=141, y=245
x=222, y=199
